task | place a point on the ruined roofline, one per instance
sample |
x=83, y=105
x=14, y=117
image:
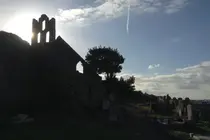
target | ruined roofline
x=87, y=66
x=49, y=26
x=60, y=39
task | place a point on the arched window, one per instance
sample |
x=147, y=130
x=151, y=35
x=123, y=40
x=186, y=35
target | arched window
x=79, y=67
x=43, y=25
x=48, y=37
x=38, y=38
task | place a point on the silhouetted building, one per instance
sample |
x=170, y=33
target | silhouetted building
x=58, y=59
x=43, y=76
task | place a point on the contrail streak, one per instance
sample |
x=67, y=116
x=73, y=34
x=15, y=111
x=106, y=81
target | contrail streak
x=128, y=19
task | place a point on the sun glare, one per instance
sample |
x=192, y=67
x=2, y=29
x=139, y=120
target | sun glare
x=21, y=25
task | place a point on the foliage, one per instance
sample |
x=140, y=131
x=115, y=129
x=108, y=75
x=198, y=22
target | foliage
x=105, y=60
x=122, y=88
x=127, y=85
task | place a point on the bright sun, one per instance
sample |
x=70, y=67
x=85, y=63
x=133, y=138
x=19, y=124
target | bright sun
x=21, y=25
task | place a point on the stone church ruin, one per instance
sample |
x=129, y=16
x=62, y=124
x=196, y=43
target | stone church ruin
x=45, y=74
x=57, y=59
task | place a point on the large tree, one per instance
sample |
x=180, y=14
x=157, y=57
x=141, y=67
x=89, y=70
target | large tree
x=105, y=60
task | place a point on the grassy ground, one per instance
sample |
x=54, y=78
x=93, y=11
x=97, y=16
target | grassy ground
x=177, y=131
x=132, y=128
x=182, y=131
x=200, y=128
x=204, y=125
x=81, y=130
x=180, y=135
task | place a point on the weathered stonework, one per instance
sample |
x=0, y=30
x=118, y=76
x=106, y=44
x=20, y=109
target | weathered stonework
x=37, y=27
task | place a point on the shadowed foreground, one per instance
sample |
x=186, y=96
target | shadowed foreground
x=85, y=129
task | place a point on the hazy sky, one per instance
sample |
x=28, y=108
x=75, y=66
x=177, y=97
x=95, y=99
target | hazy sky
x=166, y=43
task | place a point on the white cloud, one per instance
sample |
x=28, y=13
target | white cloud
x=110, y=9
x=192, y=81
x=175, y=5
x=153, y=66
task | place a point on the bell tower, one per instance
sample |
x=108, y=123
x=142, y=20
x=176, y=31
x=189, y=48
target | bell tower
x=43, y=30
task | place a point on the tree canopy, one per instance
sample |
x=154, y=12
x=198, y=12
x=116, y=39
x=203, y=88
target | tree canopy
x=127, y=85
x=105, y=60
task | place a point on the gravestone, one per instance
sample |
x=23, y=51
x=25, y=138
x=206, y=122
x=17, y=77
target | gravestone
x=180, y=112
x=106, y=104
x=180, y=108
x=113, y=116
x=189, y=112
x=150, y=107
